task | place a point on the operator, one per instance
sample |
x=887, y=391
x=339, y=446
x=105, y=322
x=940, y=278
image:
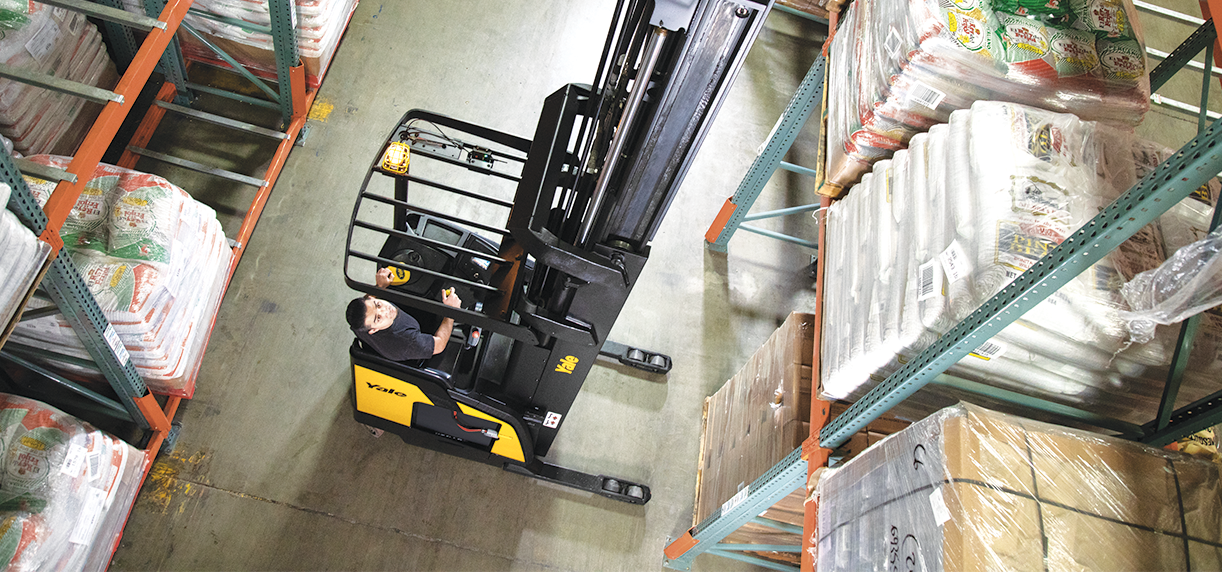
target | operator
x=394, y=334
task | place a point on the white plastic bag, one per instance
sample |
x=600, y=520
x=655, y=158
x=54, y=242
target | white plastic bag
x=1187, y=284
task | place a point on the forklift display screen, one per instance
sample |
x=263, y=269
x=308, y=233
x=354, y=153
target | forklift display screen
x=441, y=233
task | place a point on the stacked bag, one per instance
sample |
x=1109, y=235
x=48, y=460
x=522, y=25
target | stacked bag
x=962, y=212
x=899, y=67
x=155, y=260
x=319, y=23
x=64, y=488
x=64, y=44
x=21, y=258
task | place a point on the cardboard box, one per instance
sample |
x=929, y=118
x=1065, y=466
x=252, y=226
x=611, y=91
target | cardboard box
x=970, y=489
x=757, y=417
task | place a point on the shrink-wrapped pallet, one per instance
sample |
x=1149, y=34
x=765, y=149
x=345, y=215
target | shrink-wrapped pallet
x=899, y=67
x=971, y=489
x=156, y=262
x=752, y=422
x=63, y=488
x=64, y=44
x=969, y=206
x=320, y=25
x=21, y=258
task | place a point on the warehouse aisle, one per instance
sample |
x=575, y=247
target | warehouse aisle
x=271, y=472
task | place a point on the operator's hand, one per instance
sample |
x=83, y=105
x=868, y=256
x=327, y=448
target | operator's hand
x=449, y=298
x=383, y=277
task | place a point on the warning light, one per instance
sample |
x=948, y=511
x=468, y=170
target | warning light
x=396, y=158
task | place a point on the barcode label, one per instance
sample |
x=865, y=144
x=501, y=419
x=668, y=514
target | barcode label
x=89, y=519
x=928, y=280
x=989, y=350
x=73, y=461
x=735, y=501
x=94, y=465
x=925, y=95
x=116, y=345
x=893, y=43
x=954, y=262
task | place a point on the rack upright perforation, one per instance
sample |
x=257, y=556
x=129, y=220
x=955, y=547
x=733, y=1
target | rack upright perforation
x=135, y=403
x=1192, y=166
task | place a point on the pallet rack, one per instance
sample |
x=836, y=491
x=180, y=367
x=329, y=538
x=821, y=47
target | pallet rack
x=1195, y=163
x=59, y=278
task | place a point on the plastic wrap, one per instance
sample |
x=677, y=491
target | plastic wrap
x=63, y=44
x=971, y=489
x=1188, y=283
x=899, y=67
x=61, y=481
x=156, y=262
x=22, y=256
x=969, y=206
x=320, y=25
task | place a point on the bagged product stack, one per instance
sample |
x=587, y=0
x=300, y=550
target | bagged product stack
x=57, y=42
x=970, y=489
x=65, y=488
x=897, y=68
x=155, y=260
x=962, y=212
x=21, y=258
x=320, y=25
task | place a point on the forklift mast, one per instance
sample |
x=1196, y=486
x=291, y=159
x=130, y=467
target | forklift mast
x=543, y=286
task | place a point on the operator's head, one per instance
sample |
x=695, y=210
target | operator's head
x=370, y=314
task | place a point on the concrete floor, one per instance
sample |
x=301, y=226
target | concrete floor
x=271, y=472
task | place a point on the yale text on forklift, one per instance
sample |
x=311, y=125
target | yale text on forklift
x=567, y=365
x=385, y=389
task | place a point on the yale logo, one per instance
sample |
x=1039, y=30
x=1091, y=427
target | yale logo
x=567, y=365
x=385, y=389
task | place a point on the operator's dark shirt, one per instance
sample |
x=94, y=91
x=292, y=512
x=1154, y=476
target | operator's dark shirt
x=402, y=341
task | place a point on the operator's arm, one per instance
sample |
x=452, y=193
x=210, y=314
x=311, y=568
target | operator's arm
x=442, y=337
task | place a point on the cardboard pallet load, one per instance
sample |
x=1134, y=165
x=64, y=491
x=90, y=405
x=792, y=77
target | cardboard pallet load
x=65, y=488
x=758, y=417
x=21, y=258
x=54, y=42
x=898, y=67
x=959, y=215
x=155, y=260
x=971, y=489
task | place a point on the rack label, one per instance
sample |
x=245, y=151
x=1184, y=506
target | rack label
x=735, y=500
x=989, y=350
x=116, y=345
